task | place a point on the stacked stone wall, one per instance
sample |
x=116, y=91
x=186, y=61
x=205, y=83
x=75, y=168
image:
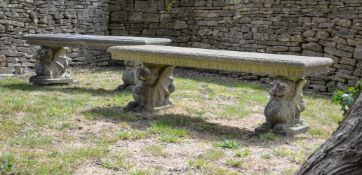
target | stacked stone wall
x=49, y=16
x=330, y=28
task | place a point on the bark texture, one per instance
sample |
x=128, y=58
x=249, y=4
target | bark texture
x=342, y=153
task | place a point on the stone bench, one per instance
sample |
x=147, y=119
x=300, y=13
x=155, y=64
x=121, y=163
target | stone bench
x=53, y=63
x=286, y=95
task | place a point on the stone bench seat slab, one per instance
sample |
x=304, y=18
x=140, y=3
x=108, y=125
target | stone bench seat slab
x=90, y=41
x=291, y=66
x=285, y=105
x=53, y=63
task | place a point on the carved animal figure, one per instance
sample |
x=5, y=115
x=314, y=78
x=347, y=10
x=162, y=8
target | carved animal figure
x=285, y=105
x=129, y=76
x=53, y=63
x=153, y=89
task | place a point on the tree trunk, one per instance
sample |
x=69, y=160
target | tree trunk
x=342, y=153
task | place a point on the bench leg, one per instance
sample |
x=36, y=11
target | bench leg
x=129, y=76
x=52, y=66
x=153, y=88
x=284, y=107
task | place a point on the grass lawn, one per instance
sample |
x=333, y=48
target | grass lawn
x=82, y=128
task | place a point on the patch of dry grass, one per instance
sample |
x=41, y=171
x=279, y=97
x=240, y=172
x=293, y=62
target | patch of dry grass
x=82, y=128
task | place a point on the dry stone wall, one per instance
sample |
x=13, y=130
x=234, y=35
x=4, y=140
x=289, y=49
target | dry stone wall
x=49, y=16
x=330, y=28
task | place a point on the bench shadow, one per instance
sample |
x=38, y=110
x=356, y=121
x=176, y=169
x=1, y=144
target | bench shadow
x=199, y=127
x=64, y=89
x=230, y=81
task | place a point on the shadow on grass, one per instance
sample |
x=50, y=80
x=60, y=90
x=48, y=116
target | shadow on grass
x=64, y=89
x=199, y=126
x=225, y=80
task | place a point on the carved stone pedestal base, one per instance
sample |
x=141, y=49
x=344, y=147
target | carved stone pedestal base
x=52, y=66
x=153, y=89
x=48, y=81
x=283, y=110
x=129, y=76
x=291, y=131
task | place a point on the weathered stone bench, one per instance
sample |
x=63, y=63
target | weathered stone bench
x=286, y=95
x=53, y=63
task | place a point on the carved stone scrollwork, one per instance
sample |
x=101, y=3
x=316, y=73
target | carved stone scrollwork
x=153, y=88
x=284, y=108
x=129, y=76
x=52, y=66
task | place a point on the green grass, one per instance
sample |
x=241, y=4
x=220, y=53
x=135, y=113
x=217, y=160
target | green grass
x=197, y=163
x=212, y=155
x=116, y=162
x=242, y=153
x=298, y=156
x=61, y=129
x=268, y=137
x=132, y=135
x=227, y=144
x=33, y=140
x=168, y=133
x=234, y=163
x=141, y=171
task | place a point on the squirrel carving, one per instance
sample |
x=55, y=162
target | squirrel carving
x=53, y=63
x=285, y=105
x=153, y=88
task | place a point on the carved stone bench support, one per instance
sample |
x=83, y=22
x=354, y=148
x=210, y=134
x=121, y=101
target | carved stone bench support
x=284, y=108
x=129, y=76
x=52, y=66
x=153, y=88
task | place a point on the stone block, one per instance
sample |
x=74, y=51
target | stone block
x=2, y=29
x=180, y=25
x=261, y=36
x=118, y=16
x=208, y=23
x=354, y=42
x=146, y=6
x=296, y=38
x=338, y=52
x=319, y=88
x=187, y=3
x=339, y=40
x=345, y=33
x=151, y=17
x=200, y=3
x=219, y=3
x=11, y=59
x=2, y=58
x=309, y=33
x=277, y=49
x=313, y=47
x=345, y=76
x=357, y=54
x=347, y=61
x=135, y=17
x=164, y=18
x=342, y=22
x=327, y=43
x=284, y=37
x=7, y=70
x=11, y=23
x=357, y=72
x=311, y=53
x=322, y=35
x=345, y=47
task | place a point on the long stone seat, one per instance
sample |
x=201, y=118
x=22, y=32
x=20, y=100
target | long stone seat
x=286, y=95
x=53, y=63
x=90, y=41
